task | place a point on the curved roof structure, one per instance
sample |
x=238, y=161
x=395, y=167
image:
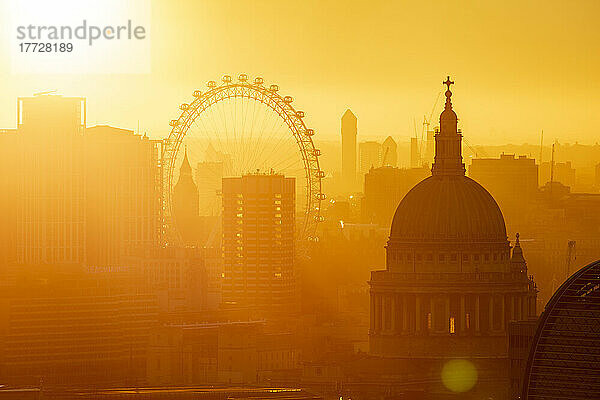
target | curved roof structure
x=448, y=208
x=564, y=358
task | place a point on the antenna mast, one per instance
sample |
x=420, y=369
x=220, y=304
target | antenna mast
x=541, y=147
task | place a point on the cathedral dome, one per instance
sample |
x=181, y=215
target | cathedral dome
x=448, y=208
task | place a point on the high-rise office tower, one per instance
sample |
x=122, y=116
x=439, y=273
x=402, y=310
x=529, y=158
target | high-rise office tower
x=349, y=132
x=429, y=148
x=258, y=242
x=415, y=157
x=389, y=150
x=122, y=193
x=512, y=181
x=370, y=156
x=384, y=188
x=67, y=202
x=51, y=192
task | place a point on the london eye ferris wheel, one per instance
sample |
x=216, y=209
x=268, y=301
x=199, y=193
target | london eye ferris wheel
x=237, y=127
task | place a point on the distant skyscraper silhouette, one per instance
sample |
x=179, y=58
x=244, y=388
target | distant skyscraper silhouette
x=349, y=133
x=370, y=156
x=429, y=148
x=186, y=203
x=390, y=152
x=415, y=157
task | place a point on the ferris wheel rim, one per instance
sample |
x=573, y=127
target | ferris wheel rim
x=269, y=97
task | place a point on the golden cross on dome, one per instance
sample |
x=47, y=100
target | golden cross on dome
x=448, y=82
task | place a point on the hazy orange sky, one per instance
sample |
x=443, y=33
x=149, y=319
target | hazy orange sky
x=518, y=66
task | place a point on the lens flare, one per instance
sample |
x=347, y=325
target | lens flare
x=459, y=376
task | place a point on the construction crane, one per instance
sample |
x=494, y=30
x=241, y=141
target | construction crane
x=427, y=123
x=44, y=93
x=472, y=148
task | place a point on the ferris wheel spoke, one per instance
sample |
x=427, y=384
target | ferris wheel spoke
x=283, y=140
x=247, y=146
x=261, y=136
x=269, y=136
x=278, y=147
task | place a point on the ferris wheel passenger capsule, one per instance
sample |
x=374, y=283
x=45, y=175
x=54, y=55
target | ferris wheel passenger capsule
x=184, y=106
x=211, y=84
x=243, y=78
x=317, y=152
x=197, y=93
x=310, y=132
x=300, y=114
x=259, y=81
x=226, y=78
x=288, y=99
x=273, y=88
x=173, y=122
x=321, y=174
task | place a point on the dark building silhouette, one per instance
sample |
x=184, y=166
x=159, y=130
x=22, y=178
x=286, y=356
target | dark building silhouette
x=415, y=157
x=67, y=201
x=122, y=203
x=76, y=200
x=370, y=153
x=564, y=359
x=76, y=326
x=451, y=284
x=520, y=334
x=258, y=243
x=186, y=203
x=247, y=352
x=562, y=172
x=349, y=133
x=512, y=181
x=384, y=188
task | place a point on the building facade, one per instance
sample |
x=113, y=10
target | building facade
x=384, y=188
x=258, y=242
x=370, y=156
x=564, y=357
x=68, y=202
x=512, y=181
